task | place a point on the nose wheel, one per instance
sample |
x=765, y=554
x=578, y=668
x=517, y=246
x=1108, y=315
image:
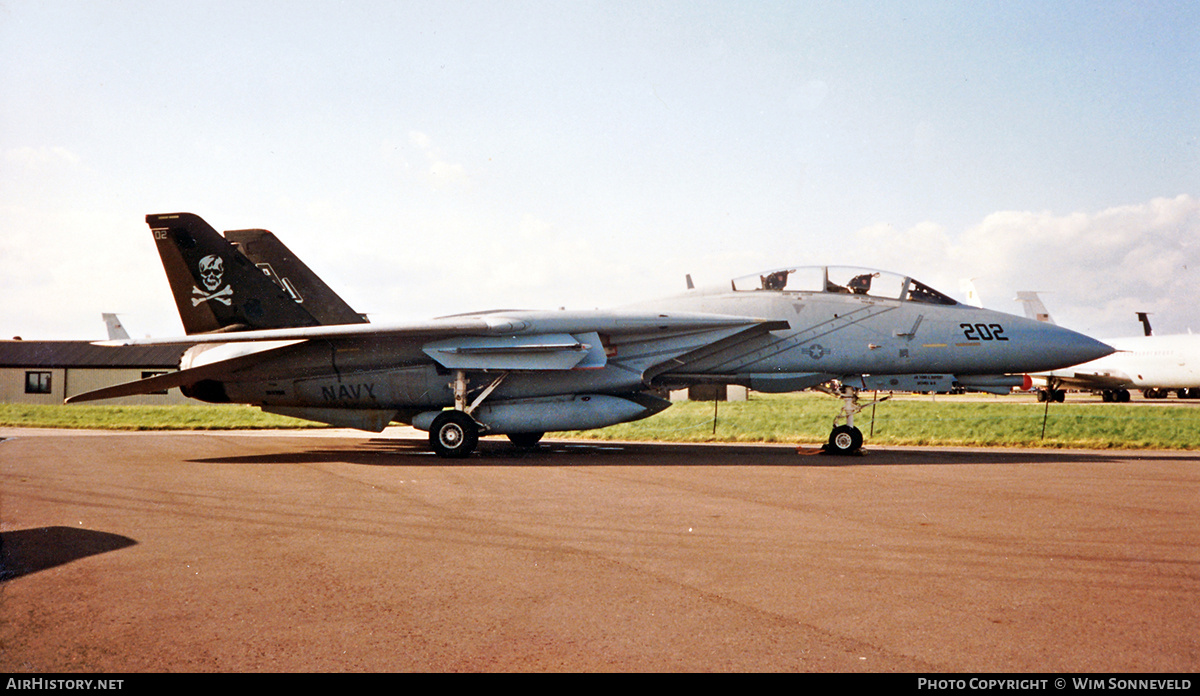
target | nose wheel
x=845, y=438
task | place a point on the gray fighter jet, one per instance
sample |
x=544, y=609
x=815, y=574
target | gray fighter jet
x=265, y=331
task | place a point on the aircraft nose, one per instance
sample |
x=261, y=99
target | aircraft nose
x=1065, y=348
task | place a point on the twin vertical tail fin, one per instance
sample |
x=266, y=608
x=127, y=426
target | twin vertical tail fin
x=279, y=264
x=219, y=287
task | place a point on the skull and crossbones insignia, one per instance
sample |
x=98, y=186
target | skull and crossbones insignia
x=212, y=272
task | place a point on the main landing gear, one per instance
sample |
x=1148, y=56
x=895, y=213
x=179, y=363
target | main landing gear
x=1051, y=396
x=1117, y=396
x=1052, y=392
x=454, y=434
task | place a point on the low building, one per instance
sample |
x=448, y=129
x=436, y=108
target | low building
x=47, y=372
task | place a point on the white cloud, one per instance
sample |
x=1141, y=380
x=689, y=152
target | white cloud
x=41, y=158
x=1095, y=268
x=441, y=173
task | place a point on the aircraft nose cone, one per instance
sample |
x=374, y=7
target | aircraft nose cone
x=1065, y=348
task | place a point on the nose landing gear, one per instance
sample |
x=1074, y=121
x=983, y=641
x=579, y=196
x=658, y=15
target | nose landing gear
x=846, y=439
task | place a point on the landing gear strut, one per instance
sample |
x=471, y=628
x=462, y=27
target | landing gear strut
x=846, y=439
x=454, y=434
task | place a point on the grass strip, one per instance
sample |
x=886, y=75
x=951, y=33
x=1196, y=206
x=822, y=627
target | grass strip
x=794, y=418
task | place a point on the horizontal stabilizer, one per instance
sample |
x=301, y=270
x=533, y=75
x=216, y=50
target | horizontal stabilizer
x=142, y=386
x=180, y=378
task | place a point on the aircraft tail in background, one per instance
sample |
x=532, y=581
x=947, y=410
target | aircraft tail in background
x=1034, y=309
x=113, y=324
x=968, y=288
x=1144, y=317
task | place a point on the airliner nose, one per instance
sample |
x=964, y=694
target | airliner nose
x=1065, y=348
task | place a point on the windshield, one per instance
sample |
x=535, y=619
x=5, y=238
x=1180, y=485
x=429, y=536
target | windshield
x=842, y=280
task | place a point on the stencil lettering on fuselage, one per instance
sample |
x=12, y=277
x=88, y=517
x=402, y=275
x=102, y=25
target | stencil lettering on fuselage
x=349, y=392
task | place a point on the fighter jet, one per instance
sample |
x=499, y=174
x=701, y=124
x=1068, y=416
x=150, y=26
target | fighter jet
x=1157, y=365
x=257, y=338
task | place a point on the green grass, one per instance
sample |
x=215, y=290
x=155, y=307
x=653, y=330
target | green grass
x=942, y=420
x=794, y=418
x=199, y=417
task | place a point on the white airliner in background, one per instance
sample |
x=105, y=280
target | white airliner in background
x=1157, y=365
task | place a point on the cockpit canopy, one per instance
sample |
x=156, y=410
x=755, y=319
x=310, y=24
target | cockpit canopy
x=842, y=280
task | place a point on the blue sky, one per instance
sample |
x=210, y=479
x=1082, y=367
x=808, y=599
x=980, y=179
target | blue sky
x=428, y=158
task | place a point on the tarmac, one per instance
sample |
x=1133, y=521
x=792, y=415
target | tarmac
x=332, y=550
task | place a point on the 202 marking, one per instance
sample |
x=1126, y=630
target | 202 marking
x=983, y=332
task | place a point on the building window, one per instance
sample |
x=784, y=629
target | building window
x=37, y=382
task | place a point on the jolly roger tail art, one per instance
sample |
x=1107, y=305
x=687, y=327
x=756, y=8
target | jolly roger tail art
x=212, y=271
x=264, y=330
x=235, y=282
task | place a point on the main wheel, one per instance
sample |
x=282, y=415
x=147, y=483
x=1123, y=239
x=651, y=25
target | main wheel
x=845, y=439
x=453, y=435
x=525, y=440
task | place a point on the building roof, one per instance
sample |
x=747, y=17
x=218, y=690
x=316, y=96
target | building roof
x=51, y=354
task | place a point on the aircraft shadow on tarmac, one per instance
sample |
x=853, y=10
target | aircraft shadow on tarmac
x=26, y=551
x=408, y=451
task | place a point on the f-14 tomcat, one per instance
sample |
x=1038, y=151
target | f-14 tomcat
x=266, y=331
